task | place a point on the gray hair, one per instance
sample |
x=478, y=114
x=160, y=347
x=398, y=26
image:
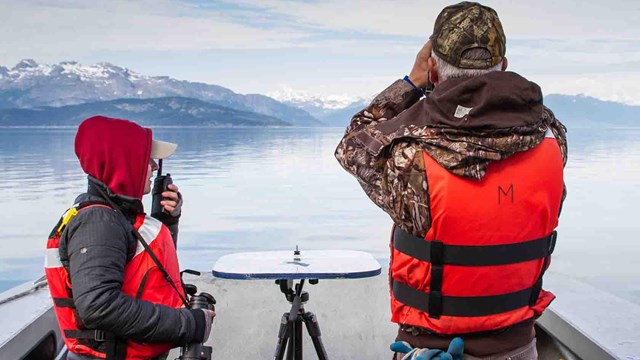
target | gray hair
x=447, y=71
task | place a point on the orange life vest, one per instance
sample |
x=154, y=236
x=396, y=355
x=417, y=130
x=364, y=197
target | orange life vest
x=142, y=280
x=480, y=265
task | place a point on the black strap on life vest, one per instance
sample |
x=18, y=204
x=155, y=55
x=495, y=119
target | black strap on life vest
x=106, y=342
x=64, y=303
x=472, y=255
x=462, y=306
x=439, y=254
x=437, y=272
x=113, y=347
x=95, y=335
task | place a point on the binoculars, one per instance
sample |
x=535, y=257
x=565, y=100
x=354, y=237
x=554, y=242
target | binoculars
x=197, y=351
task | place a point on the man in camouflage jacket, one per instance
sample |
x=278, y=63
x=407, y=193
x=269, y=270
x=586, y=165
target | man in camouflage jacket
x=383, y=144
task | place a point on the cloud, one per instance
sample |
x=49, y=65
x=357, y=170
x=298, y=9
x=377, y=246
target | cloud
x=323, y=47
x=72, y=26
x=574, y=57
x=43, y=28
x=522, y=19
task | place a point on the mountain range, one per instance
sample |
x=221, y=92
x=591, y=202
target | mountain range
x=30, y=85
x=67, y=92
x=157, y=111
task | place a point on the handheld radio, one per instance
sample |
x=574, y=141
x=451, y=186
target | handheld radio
x=160, y=185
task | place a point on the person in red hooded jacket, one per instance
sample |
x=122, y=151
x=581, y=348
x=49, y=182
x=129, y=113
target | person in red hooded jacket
x=110, y=297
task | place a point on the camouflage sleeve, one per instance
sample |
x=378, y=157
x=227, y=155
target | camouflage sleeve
x=394, y=179
x=560, y=133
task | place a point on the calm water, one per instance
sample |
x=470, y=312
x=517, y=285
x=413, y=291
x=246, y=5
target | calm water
x=270, y=189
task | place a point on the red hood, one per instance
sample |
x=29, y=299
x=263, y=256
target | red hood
x=115, y=152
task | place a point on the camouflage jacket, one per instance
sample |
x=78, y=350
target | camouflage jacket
x=383, y=144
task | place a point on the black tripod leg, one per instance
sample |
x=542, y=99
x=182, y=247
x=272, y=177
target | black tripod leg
x=314, y=331
x=298, y=339
x=283, y=336
x=294, y=350
x=291, y=341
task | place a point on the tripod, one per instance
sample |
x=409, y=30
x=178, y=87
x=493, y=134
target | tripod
x=290, y=333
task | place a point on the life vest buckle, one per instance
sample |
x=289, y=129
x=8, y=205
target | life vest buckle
x=101, y=336
x=435, y=304
x=552, y=241
x=95, y=335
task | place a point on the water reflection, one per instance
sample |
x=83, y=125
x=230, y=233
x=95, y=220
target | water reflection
x=266, y=189
x=244, y=189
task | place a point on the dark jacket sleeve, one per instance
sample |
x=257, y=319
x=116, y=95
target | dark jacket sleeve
x=171, y=221
x=173, y=229
x=394, y=179
x=95, y=246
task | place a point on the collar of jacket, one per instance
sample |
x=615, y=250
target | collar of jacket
x=496, y=104
x=496, y=101
x=130, y=206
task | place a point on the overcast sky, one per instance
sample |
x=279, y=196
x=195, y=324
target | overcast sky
x=322, y=47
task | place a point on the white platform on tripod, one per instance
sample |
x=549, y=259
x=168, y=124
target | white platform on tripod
x=310, y=264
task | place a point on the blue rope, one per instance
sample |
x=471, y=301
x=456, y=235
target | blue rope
x=420, y=91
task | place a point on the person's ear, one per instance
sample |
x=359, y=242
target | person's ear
x=433, y=71
x=505, y=63
x=153, y=164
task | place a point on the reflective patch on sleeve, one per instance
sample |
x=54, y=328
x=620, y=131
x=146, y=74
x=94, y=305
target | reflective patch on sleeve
x=149, y=230
x=52, y=259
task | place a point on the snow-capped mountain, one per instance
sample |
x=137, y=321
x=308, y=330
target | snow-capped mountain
x=330, y=102
x=30, y=85
x=316, y=105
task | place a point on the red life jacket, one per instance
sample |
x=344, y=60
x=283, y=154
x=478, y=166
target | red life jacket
x=480, y=265
x=142, y=280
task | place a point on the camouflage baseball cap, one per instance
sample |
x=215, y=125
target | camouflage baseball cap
x=465, y=26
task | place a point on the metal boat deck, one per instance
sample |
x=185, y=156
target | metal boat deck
x=583, y=323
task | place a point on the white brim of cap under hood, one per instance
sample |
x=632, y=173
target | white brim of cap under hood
x=162, y=149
